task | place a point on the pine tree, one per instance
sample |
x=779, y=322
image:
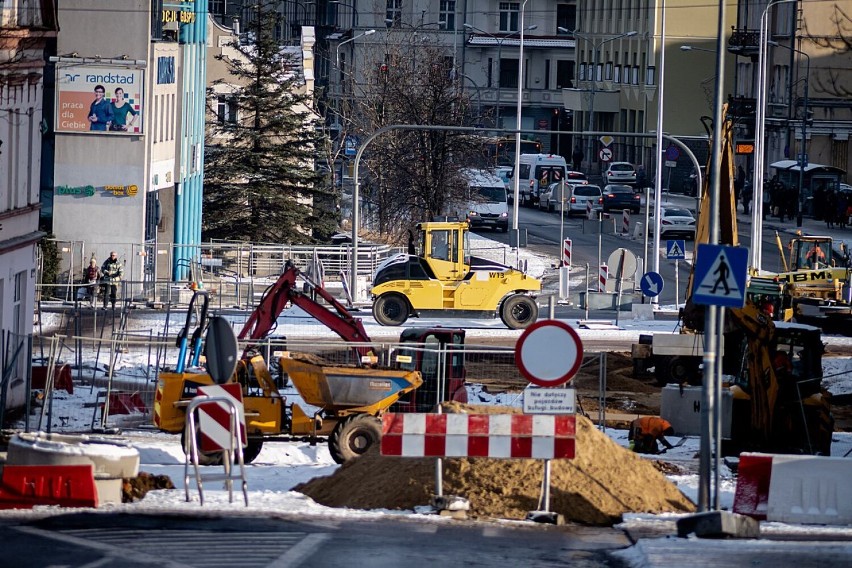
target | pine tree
x=260, y=181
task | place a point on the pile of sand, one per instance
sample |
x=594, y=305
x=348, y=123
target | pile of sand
x=600, y=484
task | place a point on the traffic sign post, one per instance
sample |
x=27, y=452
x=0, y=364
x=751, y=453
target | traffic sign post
x=720, y=276
x=535, y=360
x=676, y=250
x=652, y=284
x=536, y=346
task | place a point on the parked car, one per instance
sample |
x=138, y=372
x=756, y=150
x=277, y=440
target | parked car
x=621, y=197
x=620, y=172
x=550, y=198
x=674, y=221
x=580, y=196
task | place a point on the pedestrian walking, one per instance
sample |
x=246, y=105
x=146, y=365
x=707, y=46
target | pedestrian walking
x=111, y=274
x=830, y=209
x=577, y=157
x=91, y=275
x=746, y=196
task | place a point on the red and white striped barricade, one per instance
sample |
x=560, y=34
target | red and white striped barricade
x=506, y=436
x=567, y=248
x=603, y=274
x=625, y=222
x=589, y=210
x=221, y=428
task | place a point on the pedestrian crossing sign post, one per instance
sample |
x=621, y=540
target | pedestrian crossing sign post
x=675, y=250
x=720, y=276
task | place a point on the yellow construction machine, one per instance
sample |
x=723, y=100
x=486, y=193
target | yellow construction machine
x=443, y=279
x=778, y=403
x=348, y=400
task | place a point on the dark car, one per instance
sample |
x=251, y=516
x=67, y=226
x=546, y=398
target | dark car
x=621, y=197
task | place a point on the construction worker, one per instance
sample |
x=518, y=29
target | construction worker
x=815, y=255
x=646, y=431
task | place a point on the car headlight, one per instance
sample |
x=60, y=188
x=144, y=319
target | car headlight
x=504, y=214
x=472, y=213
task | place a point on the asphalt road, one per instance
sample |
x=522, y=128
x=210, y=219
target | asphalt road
x=594, y=241
x=168, y=541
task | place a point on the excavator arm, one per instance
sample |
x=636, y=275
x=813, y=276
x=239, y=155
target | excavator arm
x=263, y=319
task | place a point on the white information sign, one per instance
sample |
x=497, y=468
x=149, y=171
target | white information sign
x=549, y=400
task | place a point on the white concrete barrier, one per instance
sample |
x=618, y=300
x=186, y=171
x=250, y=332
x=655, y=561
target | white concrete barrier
x=810, y=490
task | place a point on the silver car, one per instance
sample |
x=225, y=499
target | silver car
x=674, y=221
x=620, y=172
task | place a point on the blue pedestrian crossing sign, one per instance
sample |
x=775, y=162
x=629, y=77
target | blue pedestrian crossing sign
x=651, y=284
x=675, y=250
x=720, y=276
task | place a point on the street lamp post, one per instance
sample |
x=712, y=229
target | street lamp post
x=596, y=46
x=499, y=41
x=351, y=6
x=756, y=249
x=516, y=179
x=353, y=38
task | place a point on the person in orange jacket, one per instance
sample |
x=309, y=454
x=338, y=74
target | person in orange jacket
x=646, y=431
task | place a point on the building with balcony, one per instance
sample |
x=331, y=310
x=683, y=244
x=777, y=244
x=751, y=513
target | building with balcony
x=26, y=30
x=618, y=54
x=809, y=80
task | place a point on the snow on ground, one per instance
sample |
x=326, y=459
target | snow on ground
x=281, y=466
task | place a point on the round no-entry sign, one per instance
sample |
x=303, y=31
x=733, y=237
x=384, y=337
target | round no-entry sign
x=549, y=353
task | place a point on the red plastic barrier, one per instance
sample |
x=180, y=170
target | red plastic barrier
x=753, y=476
x=61, y=378
x=25, y=486
x=126, y=403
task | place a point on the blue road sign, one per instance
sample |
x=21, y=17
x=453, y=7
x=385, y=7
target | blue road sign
x=672, y=153
x=676, y=250
x=720, y=276
x=651, y=284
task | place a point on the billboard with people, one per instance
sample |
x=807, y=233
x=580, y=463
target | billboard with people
x=99, y=99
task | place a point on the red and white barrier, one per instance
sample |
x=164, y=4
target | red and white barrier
x=478, y=435
x=566, y=252
x=589, y=210
x=794, y=489
x=603, y=274
x=625, y=222
x=214, y=418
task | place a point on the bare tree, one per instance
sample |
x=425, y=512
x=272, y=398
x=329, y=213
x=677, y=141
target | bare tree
x=409, y=176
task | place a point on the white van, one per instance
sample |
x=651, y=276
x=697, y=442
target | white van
x=485, y=205
x=536, y=172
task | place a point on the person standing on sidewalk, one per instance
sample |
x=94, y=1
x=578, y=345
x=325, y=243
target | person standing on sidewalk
x=111, y=271
x=746, y=196
x=767, y=200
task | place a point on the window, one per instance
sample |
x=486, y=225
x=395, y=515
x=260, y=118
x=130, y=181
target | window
x=226, y=110
x=394, y=13
x=547, y=73
x=509, y=14
x=564, y=74
x=650, y=75
x=508, y=73
x=616, y=74
x=490, y=79
x=447, y=10
x=18, y=319
x=635, y=78
x=581, y=76
x=566, y=17
x=608, y=71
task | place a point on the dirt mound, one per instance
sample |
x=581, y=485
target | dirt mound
x=596, y=488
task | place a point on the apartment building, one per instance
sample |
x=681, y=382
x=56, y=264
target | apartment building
x=126, y=123
x=809, y=76
x=26, y=29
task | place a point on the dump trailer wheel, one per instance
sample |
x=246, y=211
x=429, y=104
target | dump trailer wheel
x=390, y=309
x=519, y=312
x=354, y=436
